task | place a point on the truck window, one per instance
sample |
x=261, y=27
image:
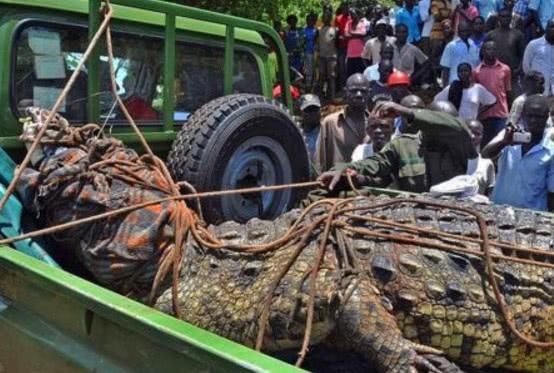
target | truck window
x=199, y=76
x=247, y=75
x=46, y=56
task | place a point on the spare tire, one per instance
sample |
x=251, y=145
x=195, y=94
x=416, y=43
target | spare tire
x=240, y=141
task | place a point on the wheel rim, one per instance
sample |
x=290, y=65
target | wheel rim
x=258, y=161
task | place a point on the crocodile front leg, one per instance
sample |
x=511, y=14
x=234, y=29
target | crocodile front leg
x=365, y=326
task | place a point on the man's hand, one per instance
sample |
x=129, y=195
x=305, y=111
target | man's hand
x=330, y=179
x=385, y=109
x=508, y=138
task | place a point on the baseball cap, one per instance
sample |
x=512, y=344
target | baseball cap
x=308, y=100
x=381, y=21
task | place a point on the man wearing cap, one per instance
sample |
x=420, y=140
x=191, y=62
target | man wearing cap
x=310, y=107
x=342, y=131
x=373, y=47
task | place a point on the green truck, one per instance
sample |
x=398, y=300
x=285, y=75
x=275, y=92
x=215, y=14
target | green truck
x=170, y=61
x=199, y=86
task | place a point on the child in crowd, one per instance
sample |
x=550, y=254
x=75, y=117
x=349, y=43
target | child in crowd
x=310, y=37
x=293, y=42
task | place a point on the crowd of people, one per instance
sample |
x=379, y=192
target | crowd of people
x=439, y=95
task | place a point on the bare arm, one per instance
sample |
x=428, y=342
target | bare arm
x=493, y=148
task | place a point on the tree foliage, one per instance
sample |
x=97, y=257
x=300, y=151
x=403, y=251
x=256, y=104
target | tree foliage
x=268, y=10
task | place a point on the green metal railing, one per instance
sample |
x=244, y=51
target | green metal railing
x=171, y=11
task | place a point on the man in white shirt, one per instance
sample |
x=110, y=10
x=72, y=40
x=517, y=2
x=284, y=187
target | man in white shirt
x=461, y=49
x=539, y=56
x=372, y=48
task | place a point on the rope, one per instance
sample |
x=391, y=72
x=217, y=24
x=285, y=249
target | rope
x=313, y=277
x=57, y=104
x=299, y=234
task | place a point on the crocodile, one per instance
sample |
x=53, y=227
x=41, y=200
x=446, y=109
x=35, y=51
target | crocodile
x=402, y=305
x=405, y=299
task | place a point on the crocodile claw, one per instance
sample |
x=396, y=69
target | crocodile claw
x=435, y=364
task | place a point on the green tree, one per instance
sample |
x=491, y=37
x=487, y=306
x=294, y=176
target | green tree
x=259, y=9
x=269, y=10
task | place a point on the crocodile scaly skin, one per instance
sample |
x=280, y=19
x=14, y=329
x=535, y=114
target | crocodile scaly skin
x=406, y=295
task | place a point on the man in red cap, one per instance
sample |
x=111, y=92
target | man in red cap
x=399, y=84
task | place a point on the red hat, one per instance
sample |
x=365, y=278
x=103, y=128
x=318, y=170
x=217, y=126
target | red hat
x=398, y=78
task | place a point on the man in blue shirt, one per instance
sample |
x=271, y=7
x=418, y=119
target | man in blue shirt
x=293, y=42
x=409, y=15
x=461, y=49
x=525, y=170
